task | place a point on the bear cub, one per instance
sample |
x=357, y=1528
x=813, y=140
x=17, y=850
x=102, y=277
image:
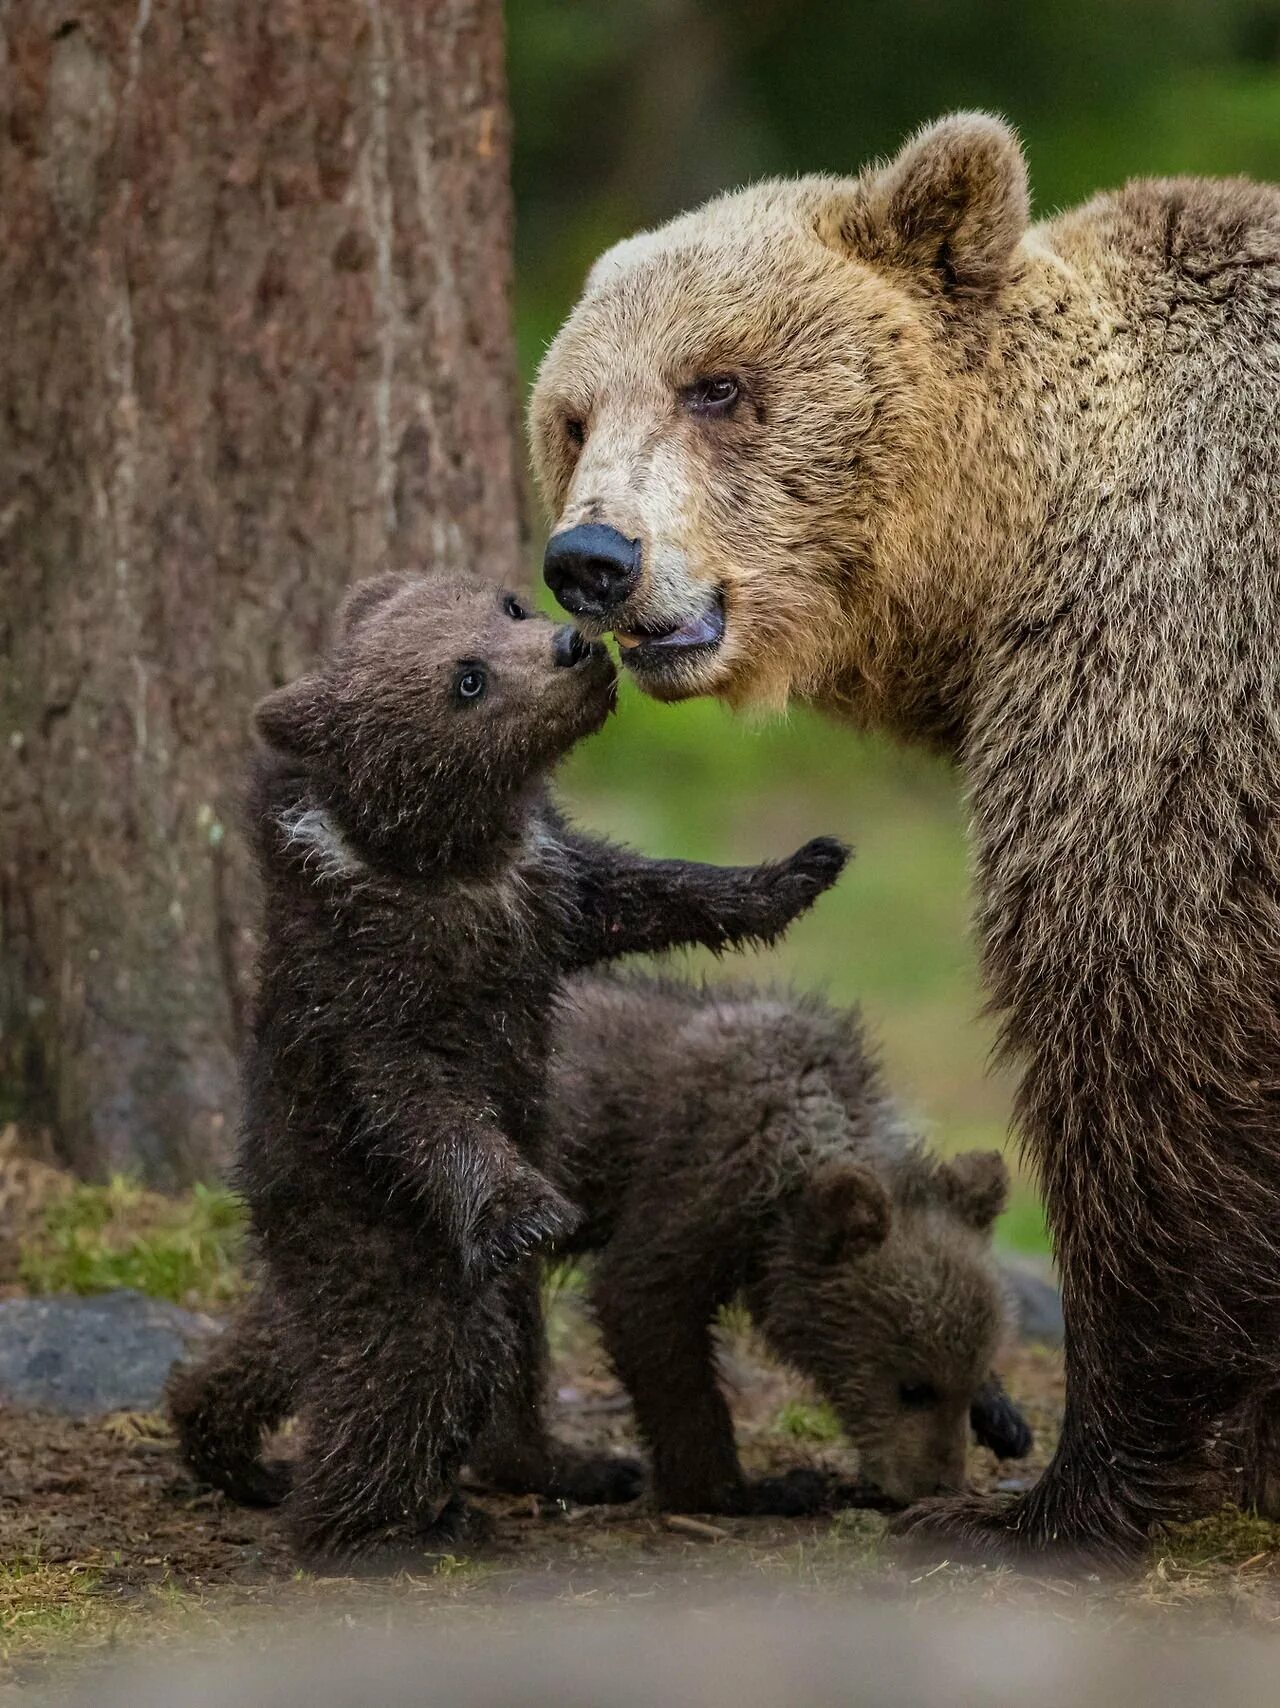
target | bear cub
x=729, y=1143
x=422, y=902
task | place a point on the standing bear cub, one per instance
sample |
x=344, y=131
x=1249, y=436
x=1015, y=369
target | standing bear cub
x=423, y=901
x=1012, y=491
x=733, y=1143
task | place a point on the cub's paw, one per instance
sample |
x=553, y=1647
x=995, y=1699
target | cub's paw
x=997, y=1423
x=458, y=1528
x=795, y=884
x=265, y=1482
x=597, y=1480
x=524, y=1214
x=803, y=1492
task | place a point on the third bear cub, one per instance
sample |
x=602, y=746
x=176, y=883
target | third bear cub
x=732, y=1142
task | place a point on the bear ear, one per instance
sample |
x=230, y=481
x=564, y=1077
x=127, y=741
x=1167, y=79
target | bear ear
x=365, y=597
x=295, y=718
x=976, y=1185
x=949, y=211
x=844, y=1212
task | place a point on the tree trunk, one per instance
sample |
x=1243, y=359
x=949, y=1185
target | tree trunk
x=254, y=292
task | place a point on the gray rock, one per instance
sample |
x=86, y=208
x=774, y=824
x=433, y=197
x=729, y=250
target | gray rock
x=82, y=1356
x=1035, y=1297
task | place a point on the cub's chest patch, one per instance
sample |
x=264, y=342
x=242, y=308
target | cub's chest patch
x=325, y=853
x=529, y=892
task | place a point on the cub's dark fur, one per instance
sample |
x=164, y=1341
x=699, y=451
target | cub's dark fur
x=422, y=903
x=741, y=1142
x=727, y=1142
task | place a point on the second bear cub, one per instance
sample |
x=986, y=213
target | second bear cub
x=735, y=1142
x=423, y=901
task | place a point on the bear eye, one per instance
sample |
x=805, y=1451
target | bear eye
x=512, y=606
x=918, y=1395
x=470, y=682
x=714, y=394
x=575, y=431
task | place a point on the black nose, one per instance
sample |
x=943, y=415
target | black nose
x=569, y=647
x=591, y=569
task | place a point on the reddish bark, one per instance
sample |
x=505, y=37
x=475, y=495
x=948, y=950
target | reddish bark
x=254, y=291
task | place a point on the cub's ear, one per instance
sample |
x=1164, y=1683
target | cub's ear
x=365, y=597
x=948, y=212
x=295, y=718
x=844, y=1212
x=976, y=1185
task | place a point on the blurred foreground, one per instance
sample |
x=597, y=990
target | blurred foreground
x=742, y=1652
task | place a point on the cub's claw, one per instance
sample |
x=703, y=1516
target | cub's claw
x=525, y=1214
x=794, y=885
x=998, y=1424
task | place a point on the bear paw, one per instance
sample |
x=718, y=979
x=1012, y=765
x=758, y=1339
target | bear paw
x=790, y=887
x=803, y=1492
x=597, y=1480
x=981, y=1530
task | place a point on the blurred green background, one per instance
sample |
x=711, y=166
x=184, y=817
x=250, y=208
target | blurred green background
x=626, y=112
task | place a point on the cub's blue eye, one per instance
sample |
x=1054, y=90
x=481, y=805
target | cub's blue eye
x=918, y=1394
x=512, y=606
x=471, y=684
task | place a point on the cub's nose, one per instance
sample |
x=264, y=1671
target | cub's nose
x=568, y=646
x=591, y=569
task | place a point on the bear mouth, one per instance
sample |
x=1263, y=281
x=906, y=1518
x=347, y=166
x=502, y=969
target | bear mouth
x=645, y=648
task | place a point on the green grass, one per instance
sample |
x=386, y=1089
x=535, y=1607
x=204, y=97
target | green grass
x=1229, y=1538
x=187, y=1249
x=801, y=1422
x=43, y=1604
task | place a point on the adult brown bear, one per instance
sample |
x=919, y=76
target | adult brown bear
x=1009, y=490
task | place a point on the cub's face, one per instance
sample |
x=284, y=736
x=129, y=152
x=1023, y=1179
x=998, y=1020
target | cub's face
x=894, y=1310
x=441, y=694
x=920, y=1322
x=729, y=428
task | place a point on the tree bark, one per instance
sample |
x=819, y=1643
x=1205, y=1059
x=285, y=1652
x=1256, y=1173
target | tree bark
x=254, y=291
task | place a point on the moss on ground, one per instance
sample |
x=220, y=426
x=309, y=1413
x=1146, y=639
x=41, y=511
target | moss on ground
x=188, y=1249
x=797, y=1421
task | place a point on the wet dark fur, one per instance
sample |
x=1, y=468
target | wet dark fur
x=422, y=903
x=722, y=1143
x=737, y=1142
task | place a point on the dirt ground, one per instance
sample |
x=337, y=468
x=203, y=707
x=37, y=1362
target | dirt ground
x=105, y=1541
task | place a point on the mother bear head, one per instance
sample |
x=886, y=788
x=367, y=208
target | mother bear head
x=749, y=429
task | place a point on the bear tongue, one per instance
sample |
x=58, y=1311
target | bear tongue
x=705, y=630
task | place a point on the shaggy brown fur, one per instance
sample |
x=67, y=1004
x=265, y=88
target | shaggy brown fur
x=735, y=1142
x=1012, y=491
x=722, y=1143
x=423, y=901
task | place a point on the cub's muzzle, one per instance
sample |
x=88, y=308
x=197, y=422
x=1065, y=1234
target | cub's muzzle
x=568, y=647
x=591, y=569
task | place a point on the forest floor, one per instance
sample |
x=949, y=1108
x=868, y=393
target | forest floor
x=106, y=1543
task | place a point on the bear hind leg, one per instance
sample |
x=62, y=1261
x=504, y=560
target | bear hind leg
x=223, y=1407
x=516, y=1452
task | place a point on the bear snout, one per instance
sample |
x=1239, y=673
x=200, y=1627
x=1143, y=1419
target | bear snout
x=569, y=647
x=592, y=569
